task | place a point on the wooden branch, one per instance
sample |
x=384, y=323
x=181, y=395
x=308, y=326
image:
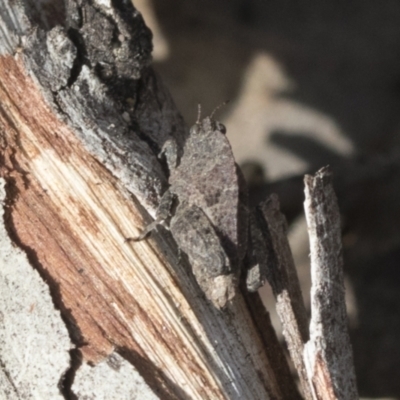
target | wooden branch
x=328, y=353
x=282, y=277
x=82, y=119
x=323, y=357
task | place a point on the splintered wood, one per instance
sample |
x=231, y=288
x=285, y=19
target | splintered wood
x=286, y=287
x=321, y=352
x=80, y=175
x=328, y=353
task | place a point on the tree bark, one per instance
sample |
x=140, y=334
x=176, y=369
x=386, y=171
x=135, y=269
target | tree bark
x=83, y=117
x=83, y=311
x=328, y=354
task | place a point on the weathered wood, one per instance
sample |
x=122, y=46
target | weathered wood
x=284, y=281
x=328, y=354
x=82, y=119
x=34, y=342
x=275, y=352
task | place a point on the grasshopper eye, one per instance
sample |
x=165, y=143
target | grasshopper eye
x=195, y=129
x=221, y=127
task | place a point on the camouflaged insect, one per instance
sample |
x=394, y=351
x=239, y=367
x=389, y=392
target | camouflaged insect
x=210, y=215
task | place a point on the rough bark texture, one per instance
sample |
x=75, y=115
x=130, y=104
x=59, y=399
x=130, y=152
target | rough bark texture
x=328, y=354
x=82, y=120
x=282, y=277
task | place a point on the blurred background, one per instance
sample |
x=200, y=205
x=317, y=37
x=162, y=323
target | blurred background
x=310, y=84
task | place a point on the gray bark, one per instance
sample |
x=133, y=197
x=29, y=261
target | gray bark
x=328, y=354
x=83, y=119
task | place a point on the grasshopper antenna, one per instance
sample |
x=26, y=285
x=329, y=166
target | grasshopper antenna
x=198, y=114
x=218, y=107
